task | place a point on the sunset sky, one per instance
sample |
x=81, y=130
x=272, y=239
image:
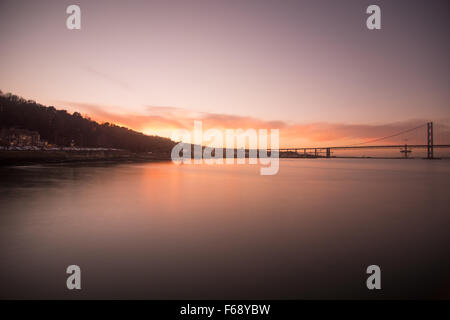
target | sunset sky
x=310, y=68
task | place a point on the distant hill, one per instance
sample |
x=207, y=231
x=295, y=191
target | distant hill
x=61, y=128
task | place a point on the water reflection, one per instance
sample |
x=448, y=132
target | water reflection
x=158, y=230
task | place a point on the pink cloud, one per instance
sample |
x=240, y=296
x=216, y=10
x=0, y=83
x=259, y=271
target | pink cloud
x=291, y=134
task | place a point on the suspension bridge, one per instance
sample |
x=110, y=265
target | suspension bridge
x=405, y=149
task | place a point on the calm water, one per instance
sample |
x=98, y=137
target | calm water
x=158, y=230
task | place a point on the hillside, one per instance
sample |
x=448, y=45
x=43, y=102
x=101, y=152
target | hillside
x=62, y=128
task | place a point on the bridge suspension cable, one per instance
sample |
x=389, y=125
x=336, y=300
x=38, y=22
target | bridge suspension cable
x=387, y=137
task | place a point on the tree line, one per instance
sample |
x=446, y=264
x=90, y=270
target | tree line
x=61, y=128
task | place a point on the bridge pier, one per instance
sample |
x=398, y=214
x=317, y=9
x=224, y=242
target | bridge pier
x=430, y=145
x=406, y=151
x=328, y=153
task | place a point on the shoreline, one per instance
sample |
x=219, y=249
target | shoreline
x=19, y=158
x=40, y=157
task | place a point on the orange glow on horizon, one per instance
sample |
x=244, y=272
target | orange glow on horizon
x=163, y=121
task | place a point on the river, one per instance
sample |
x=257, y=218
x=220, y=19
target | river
x=164, y=231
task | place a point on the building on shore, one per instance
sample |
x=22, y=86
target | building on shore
x=12, y=137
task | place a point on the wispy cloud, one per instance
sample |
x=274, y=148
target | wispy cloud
x=102, y=75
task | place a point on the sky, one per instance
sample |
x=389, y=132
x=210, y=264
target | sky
x=310, y=68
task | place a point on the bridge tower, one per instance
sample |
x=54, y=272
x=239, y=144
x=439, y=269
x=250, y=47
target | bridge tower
x=430, y=153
